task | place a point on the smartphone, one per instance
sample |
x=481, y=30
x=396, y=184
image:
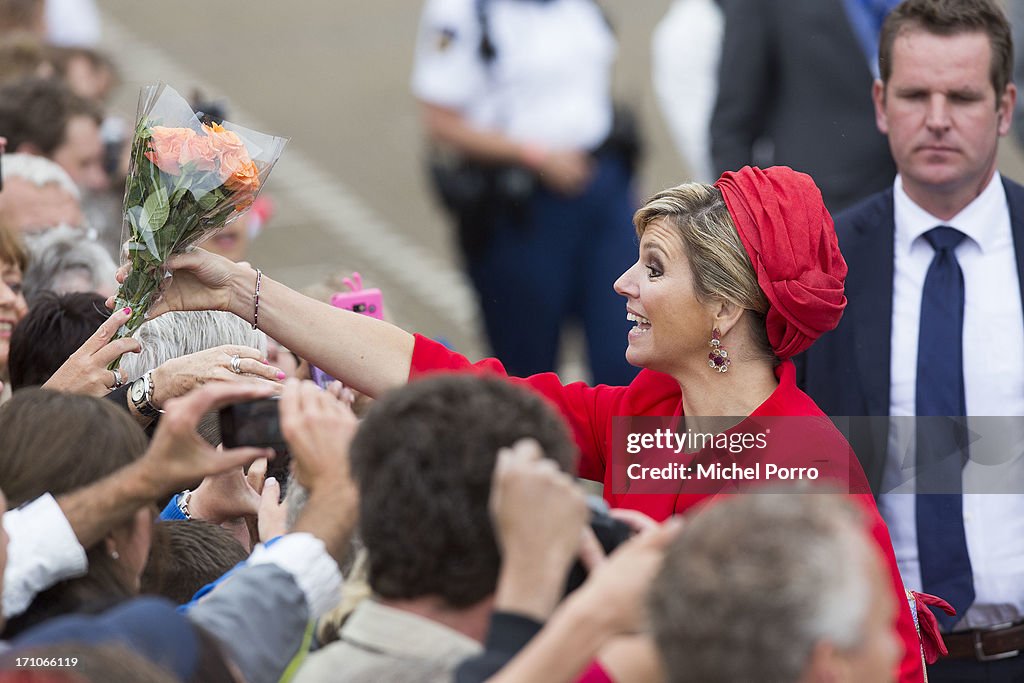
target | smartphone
x=257, y=423
x=366, y=301
x=358, y=300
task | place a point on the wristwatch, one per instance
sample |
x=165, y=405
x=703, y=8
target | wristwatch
x=141, y=395
x=184, y=498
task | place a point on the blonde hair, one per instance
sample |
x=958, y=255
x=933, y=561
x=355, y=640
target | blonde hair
x=718, y=260
x=12, y=250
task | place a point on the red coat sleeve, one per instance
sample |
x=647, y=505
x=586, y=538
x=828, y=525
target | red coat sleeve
x=587, y=410
x=911, y=667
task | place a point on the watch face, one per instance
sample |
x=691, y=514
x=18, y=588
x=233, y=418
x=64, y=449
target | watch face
x=138, y=391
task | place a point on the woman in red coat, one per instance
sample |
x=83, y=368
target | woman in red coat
x=731, y=282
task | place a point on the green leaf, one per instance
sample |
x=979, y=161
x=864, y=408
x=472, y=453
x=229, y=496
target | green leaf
x=139, y=219
x=138, y=253
x=210, y=200
x=156, y=209
x=132, y=213
x=135, y=284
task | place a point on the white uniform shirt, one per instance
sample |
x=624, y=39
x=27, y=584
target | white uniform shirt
x=993, y=345
x=549, y=84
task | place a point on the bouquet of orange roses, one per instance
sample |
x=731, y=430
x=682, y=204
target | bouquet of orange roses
x=187, y=179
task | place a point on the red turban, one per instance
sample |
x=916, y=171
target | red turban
x=789, y=236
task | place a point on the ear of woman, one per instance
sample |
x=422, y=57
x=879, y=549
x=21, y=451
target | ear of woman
x=726, y=316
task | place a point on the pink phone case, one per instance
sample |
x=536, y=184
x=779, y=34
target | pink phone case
x=366, y=301
x=369, y=302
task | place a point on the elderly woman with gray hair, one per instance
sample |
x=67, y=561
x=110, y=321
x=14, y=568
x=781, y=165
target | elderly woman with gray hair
x=166, y=359
x=221, y=336
x=184, y=350
x=181, y=351
x=64, y=260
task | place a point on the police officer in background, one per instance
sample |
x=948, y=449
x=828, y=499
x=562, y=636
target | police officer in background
x=516, y=100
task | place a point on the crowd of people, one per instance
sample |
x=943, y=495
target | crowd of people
x=197, y=503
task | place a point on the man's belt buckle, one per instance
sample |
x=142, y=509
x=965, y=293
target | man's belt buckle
x=979, y=649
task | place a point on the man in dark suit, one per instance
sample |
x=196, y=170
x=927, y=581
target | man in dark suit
x=795, y=77
x=935, y=326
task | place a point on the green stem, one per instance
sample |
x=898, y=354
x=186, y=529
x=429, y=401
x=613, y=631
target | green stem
x=139, y=297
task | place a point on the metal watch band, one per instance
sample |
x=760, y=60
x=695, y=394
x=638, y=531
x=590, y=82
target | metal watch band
x=145, y=404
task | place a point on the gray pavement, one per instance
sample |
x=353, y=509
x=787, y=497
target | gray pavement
x=333, y=75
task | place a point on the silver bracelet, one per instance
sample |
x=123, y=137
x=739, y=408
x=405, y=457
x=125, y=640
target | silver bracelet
x=256, y=300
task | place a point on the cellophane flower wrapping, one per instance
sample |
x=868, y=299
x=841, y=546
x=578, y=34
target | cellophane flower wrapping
x=187, y=179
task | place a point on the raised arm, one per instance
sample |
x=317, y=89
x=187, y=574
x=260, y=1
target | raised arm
x=365, y=353
x=44, y=534
x=609, y=603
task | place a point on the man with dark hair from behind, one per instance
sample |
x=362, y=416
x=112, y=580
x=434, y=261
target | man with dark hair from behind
x=43, y=117
x=423, y=460
x=54, y=328
x=186, y=555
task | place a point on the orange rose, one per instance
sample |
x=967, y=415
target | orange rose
x=231, y=161
x=224, y=137
x=165, y=147
x=245, y=183
x=200, y=151
x=233, y=154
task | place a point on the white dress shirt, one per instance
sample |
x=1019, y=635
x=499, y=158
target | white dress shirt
x=42, y=550
x=993, y=346
x=550, y=83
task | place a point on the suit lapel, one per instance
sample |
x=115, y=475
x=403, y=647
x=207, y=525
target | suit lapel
x=1015, y=200
x=870, y=284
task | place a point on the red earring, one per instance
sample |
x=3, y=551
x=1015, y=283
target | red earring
x=718, y=359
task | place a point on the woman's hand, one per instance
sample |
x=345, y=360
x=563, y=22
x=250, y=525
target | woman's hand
x=179, y=376
x=203, y=281
x=85, y=371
